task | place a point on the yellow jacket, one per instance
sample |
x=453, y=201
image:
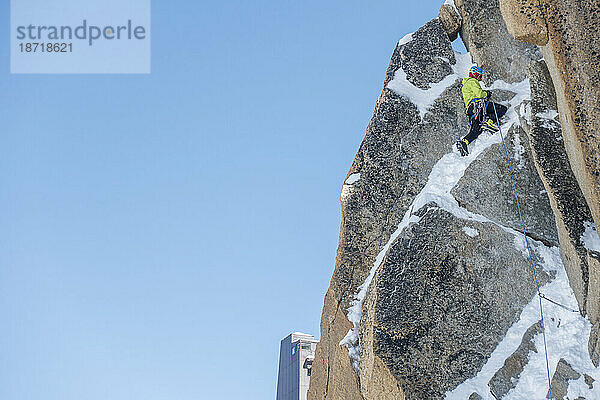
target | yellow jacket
x=471, y=90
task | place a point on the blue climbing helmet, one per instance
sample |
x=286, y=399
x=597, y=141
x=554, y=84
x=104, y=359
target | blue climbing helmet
x=476, y=72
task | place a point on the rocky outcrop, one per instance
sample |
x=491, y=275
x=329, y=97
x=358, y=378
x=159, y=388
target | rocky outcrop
x=525, y=21
x=567, y=200
x=571, y=52
x=485, y=36
x=506, y=377
x=391, y=167
x=568, y=32
x=441, y=301
x=560, y=381
x=594, y=344
x=451, y=20
x=432, y=270
x=486, y=189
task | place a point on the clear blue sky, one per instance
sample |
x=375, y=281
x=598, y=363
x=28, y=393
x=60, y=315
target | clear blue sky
x=160, y=234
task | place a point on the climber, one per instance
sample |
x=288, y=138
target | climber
x=480, y=109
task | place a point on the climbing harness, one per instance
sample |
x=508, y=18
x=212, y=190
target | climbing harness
x=478, y=109
x=540, y=296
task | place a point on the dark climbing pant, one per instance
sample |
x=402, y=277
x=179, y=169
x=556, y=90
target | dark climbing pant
x=478, y=120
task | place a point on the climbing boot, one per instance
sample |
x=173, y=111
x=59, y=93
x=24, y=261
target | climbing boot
x=490, y=126
x=461, y=145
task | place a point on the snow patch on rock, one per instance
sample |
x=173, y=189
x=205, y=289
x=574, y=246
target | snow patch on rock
x=590, y=238
x=525, y=112
x=407, y=38
x=548, y=114
x=579, y=389
x=424, y=98
x=471, y=232
x=519, y=150
x=521, y=245
x=548, y=118
x=352, y=179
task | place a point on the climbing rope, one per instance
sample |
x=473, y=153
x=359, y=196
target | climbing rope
x=540, y=296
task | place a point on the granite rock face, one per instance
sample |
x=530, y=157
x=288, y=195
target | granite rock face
x=573, y=57
x=486, y=189
x=569, y=205
x=441, y=301
x=394, y=161
x=567, y=145
x=485, y=36
x=450, y=20
x=525, y=20
x=506, y=377
x=560, y=381
x=594, y=344
x=438, y=281
x=427, y=57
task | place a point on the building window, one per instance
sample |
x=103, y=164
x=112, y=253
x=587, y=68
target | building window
x=308, y=371
x=306, y=346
